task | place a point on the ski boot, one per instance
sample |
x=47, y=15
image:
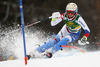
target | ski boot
x=33, y=54
x=28, y=57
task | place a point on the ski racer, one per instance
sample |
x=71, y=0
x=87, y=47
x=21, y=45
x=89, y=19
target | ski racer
x=69, y=32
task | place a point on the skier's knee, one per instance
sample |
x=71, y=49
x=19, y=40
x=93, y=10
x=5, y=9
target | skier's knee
x=65, y=41
x=57, y=39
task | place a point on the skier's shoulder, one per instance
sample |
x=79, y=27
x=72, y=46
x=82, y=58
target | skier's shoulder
x=78, y=16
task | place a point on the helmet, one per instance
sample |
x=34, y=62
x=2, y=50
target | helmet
x=72, y=7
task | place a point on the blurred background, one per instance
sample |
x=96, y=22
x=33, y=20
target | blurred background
x=35, y=10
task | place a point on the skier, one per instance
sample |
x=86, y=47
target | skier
x=69, y=32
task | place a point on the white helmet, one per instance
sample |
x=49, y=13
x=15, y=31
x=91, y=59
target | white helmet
x=72, y=7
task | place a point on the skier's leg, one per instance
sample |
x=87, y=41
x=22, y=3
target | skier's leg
x=69, y=38
x=48, y=45
x=38, y=52
x=57, y=46
x=51, y=43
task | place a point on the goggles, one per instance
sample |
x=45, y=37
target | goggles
x=70, y=12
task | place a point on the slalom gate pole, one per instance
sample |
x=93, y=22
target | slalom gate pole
x=22, y=23
x=73, y=47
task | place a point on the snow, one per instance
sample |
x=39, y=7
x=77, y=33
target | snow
x=89, y=59
x=13, y=43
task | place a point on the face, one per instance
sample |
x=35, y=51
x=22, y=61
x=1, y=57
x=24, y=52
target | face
x=70, y=13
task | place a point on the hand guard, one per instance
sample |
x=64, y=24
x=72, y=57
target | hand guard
x=55, y=15
x=83, y=41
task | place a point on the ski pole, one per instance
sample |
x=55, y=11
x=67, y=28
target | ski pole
x=43, y=20
x=74, y=47
x=38, y=21
x=2, y=34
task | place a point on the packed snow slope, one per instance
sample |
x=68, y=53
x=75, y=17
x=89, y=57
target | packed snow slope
x=89, y=59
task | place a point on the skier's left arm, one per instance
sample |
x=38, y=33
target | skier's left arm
x=85, y=27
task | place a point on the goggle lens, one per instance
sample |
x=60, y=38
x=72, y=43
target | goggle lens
x=70, y=12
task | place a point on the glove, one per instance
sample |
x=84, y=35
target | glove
x=55, y=15
x=83, y=41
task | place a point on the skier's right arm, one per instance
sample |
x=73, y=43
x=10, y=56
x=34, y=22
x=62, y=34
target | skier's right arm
x=56, y=18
